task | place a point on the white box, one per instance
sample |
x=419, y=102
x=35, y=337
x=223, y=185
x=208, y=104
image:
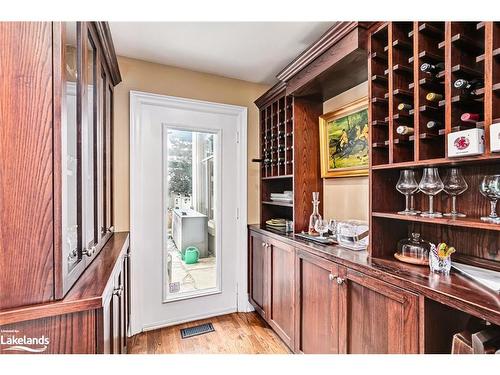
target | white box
x=495, y=137
x=466, y=143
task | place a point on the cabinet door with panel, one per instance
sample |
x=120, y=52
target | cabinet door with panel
x=257, y=264
x=281, y=314
x=376, y=317
x=317, y=298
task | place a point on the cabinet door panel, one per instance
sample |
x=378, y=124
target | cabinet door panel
x=317, y=305
x=257, y=266
x=377, y=317
x=282, y=291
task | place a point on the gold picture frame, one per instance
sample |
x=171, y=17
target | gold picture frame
x=343, y=137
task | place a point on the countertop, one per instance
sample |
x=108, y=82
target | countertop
x=455, y=290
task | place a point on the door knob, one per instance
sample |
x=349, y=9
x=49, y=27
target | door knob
x=340, y=280
x=90, y=251
x=118, y=291
x=332, y=277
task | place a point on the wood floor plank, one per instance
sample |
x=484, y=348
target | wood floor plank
x=238, y=333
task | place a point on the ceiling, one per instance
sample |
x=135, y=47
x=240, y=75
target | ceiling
x=251, y=51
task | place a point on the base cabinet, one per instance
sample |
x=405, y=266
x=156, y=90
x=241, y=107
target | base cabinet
x=281, y=310
x=376, y=317
x=317, y=305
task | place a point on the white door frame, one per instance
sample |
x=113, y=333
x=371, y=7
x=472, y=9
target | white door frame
x=137, y=99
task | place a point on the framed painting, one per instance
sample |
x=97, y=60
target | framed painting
x=343, y=136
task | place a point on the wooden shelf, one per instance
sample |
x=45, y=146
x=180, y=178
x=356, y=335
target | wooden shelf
x=379, y=123
x=384, y=144
x=496, y=52
x=428, y=83
x=379, y=100
x=430, y=56
x=400, y=68
x=464, y=42
x=441, y=161
x=496, y=87
x=403, y=93
x=401, y=44
x=379, y=79
x=458, y=222
x=282, y=204
x=379, y=56
x=277, y=177
x=466, y=71
x=430, y=30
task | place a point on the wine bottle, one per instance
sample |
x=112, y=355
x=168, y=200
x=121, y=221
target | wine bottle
x=404, y=130
x=434, y=97
x=404, y=107
x=432, y=68
x=434, y=125
x=470, y=117
x=467, y=85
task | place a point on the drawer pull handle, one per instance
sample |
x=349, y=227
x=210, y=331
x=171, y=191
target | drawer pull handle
x=118, y=291
x=340, y=280
x=90, y=251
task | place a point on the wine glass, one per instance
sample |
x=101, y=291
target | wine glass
x=407, y=185
x=332, y=225
x=490, y=188
x=454, y=184
x=431, y=184
x=321, y=227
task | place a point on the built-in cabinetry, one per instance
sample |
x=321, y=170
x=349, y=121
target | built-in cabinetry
x=56, y=161
x=319, y=306
x=93, y=318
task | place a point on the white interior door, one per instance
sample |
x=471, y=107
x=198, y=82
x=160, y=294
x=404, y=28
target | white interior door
x=188, y=198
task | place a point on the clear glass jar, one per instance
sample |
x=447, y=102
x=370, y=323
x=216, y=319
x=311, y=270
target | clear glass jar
x=414, y=249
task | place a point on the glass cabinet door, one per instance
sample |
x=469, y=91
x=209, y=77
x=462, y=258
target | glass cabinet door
x=70, y=161
x=89, y=151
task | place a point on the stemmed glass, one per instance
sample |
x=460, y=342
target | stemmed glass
x=321, y=227
x=332, y=225
x=407, y=185
x=490, y=188
x=431, y=184
x=454, y=184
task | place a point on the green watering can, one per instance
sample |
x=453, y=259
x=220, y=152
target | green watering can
x=191, y=255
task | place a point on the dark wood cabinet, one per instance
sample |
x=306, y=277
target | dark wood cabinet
x=317, y=305
x=281, y=310
x=258, y=290
x=55, y=160
x=376, y=317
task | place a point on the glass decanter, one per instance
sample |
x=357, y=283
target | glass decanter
x=454, y=184
x=431, y=184
x=315, y=216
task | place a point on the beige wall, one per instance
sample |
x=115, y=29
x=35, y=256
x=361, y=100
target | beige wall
x=345, y=198
x=160, y=79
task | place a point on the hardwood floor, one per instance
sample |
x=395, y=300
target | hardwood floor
x=238, y=333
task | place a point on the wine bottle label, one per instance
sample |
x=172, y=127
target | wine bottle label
x=430, y=68
x=404, y=130
x=470, y=117
x=434, y=97
x=404, y=106
x=460, y=83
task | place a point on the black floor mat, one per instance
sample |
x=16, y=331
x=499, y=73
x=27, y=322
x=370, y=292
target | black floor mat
x=197, y=330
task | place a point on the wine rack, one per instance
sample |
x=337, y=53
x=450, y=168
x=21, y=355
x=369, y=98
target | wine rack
x=277, y=138
x=412, y=109
x=289, y=131
x=429, y=100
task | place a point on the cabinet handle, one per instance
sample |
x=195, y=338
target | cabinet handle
x=332, y=277
x=264, y=244
x=90, y=251
x=340, y=280
x=118, y=291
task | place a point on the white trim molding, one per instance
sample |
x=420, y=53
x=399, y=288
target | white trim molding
x=137, y=100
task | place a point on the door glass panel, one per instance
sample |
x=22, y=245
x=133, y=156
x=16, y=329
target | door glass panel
x=191, y=246
x=109, y=150
x=89, y=156
x=101, y=153
x=69, y=148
